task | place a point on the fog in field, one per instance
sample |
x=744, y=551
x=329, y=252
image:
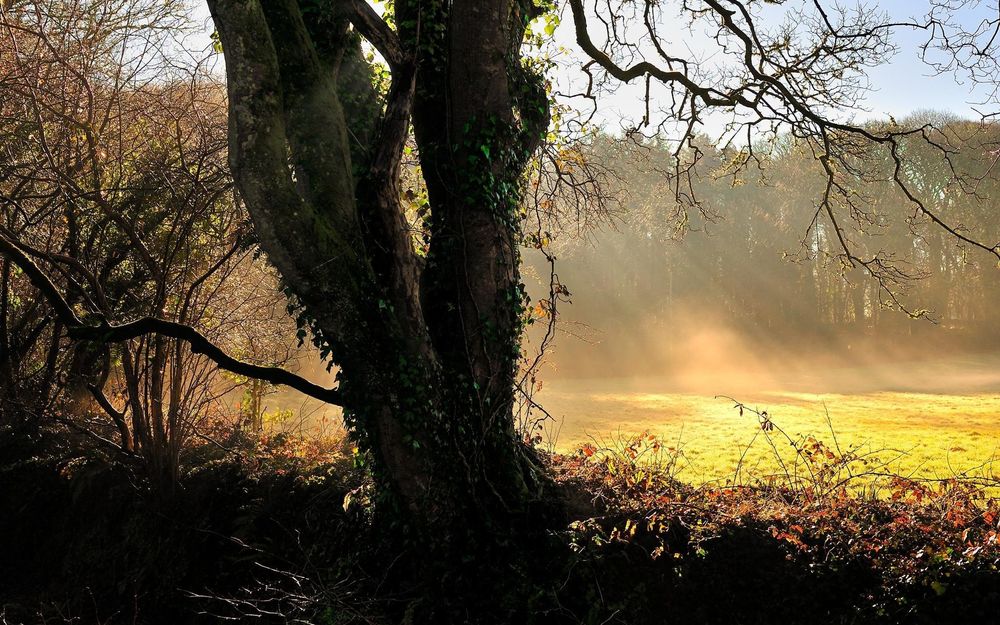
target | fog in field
x=747, y=297
x=700, y=350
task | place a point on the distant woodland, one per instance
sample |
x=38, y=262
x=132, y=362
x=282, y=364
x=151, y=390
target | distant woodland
x=756, y=260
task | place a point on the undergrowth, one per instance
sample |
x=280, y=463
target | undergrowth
x=282, y=530
x=831, y=536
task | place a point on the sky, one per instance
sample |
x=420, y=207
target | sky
x=902, y=85
x=906, y=84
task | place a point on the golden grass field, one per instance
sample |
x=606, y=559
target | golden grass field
x=942, y=419
x=923, y=434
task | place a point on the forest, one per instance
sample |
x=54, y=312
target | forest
x=309, y=310
x=754, y=263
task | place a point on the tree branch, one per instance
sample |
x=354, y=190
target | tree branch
x=378, y=33
x=775, y=80
x=105, y=332
x=644, y=68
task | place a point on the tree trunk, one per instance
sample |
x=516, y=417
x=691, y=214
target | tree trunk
x=427, y=348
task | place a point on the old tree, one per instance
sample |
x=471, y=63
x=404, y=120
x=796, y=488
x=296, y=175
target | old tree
x=428, y=344
x=425, y=329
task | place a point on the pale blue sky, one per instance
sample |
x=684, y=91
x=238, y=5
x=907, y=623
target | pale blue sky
x=904, y=84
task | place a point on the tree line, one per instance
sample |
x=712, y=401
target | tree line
x=753, y=257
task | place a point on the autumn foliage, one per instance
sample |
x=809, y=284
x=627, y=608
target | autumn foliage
x=899, y=551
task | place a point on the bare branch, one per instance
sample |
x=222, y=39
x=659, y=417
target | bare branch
x=378, y=33
x=105, y=332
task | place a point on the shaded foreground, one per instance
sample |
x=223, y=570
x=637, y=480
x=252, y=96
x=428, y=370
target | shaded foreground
x=282, y=530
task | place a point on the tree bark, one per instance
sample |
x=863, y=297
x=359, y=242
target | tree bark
x=427, y=349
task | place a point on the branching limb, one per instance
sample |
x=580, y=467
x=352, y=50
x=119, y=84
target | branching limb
x=378, y=33
x=105, y=332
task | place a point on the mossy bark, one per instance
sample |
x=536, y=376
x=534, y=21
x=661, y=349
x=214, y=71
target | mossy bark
x=427, y=347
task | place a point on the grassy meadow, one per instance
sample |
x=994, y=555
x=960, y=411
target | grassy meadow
x=922, y=435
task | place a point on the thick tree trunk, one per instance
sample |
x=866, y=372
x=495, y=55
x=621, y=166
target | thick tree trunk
x=477, y=117
x=427, y=348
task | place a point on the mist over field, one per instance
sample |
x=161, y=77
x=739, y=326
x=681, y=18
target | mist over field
x=748, y=300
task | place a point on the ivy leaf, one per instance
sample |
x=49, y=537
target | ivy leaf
x=216, y=42
x=551, y=21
